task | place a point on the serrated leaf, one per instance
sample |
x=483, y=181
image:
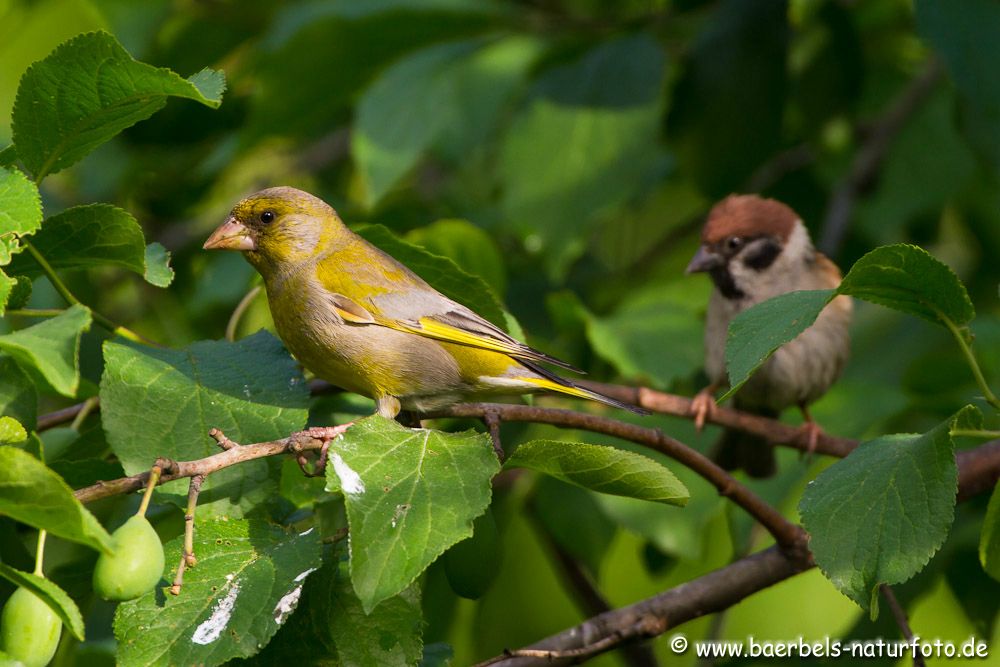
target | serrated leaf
x=18, y=398
x=410, y=494
x=757, y=332
x=907, y=278
x=989, y=539
x=247, y=583
x=440, y=273
x=158, y=271
x=878, y=515
x=583, y=144
x=57, y=599
x=21, y=213
x=51, y=348
x=11, y=431
x=88, y=90
x=603, y=469
x=472, y=248
x=251, y=389
x=7, y=285
x=33, y=494
x=87, y=236
x=20, y=293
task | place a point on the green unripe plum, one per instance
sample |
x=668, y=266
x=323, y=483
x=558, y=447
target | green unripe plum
x=136, y=565
x=473, y=564
x=29, y=629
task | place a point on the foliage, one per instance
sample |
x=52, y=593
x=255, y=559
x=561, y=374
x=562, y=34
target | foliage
x=548, y=165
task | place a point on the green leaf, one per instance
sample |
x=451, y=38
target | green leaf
x=878, y=515
x=33, y=494
x=362, y=38
x=88, y=90
x=57, y=599
x=247, y=583
x=11, y=431
x=989, y=540
x=251, y=389
x=631, y=338
x=472, y=248
x=18, y=398
x=440, y=273
x=757, y=332
x=583, y=145
x=907, y=278
x=603, y=469
x=156, y=259
x=453, y=90
x=20, y=293
x=21, y=213
x=8, y=156
x=94, y=235
x=410, y=494
x=51, y=348
x=392, y=634
x=7, y=286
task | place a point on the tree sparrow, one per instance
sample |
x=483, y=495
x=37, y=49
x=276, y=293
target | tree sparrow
x=755, y=249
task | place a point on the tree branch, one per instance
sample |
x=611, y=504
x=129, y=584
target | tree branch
x=713, y=592
x=790, y=536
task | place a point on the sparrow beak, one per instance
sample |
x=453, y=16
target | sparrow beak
x=704, y=260
x=231, y=235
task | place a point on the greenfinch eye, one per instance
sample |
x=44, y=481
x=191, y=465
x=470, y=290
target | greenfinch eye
x=267, y=216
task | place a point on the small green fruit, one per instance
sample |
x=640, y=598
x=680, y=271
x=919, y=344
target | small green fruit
x=473, y=564
x=29, y=629
x=136, y=565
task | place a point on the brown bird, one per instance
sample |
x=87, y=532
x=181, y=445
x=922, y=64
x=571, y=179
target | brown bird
x=755, y=249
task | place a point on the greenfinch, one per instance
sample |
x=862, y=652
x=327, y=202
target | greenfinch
x=361, y=320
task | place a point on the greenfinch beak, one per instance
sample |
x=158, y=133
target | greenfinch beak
x=231, y=235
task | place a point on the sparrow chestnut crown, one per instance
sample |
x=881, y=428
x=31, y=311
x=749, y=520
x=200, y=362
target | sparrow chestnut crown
x=748, y=215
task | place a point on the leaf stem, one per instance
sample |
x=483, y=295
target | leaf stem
x=88, y=407
x=970, y=359
x=35, y=312
x=154, y=479
x=241, y=308
x=54, y=278
x=68, y=296
x=976, y=433
x=40, y=553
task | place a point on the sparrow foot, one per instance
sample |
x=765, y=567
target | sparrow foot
x=703, y=407
x=811, y=430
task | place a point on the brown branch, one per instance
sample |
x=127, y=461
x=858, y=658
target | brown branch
x=717, y=590
x=590, y=600
x=864, y=169
x=180, y=469
x=790, y=536
x=899, y=614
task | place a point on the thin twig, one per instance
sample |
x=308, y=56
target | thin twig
x=188, y=559
x=589, y=598
x=899, y=614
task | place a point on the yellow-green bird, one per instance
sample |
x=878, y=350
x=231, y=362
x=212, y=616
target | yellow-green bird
x=361, y=320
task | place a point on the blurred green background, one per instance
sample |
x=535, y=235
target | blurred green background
x=567, y=151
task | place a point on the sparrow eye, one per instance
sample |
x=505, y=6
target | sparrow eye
x=735, y=242
x=267, y=217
